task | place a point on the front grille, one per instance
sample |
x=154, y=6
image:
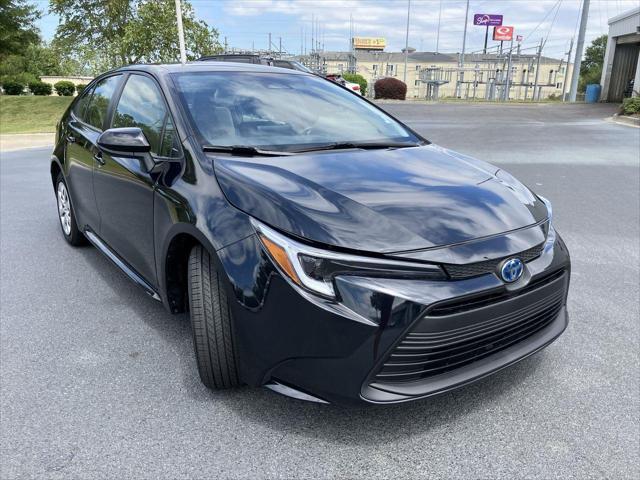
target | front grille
x=468, y=270
x=425, y=354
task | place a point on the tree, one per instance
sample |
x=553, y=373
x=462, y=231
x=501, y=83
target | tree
x=591, y=66
x=110, y=34
x=17, y=29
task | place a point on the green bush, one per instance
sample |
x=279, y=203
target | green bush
x=391, y=88
x=357, y=78
x=80, y=87
x=12, y=87
x=40, y=88
x=64, y=88
x=631, y=106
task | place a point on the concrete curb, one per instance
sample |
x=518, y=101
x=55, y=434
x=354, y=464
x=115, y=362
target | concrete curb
x=19, y=141
x=625, y=120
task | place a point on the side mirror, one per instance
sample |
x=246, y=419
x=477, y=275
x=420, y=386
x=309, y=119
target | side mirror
x=125, y=141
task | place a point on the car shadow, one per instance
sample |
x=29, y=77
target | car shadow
x=289, y=416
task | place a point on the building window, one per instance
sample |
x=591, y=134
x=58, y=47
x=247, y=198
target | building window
x=417, y=83
x=417, y=68
x=562, y=70
x=389, y=70
x=375, y=69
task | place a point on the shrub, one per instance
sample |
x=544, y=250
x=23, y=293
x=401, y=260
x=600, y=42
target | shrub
x=80, y=87
x=40, y=88
x=12, y=87
x=357, y=78
x=64, y=88
x=390, y=88
x=631, y=106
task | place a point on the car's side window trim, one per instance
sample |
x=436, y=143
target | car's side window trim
x=116, y=100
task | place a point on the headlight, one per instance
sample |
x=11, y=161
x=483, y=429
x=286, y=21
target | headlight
x=314, y=269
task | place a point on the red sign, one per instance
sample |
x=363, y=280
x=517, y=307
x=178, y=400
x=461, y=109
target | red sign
x=502, y=33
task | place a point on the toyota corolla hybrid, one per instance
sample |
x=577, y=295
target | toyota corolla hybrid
x=322, y=248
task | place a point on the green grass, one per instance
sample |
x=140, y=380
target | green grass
x=31, y=114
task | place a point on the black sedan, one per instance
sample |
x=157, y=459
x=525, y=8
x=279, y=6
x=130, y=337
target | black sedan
x=323, y=249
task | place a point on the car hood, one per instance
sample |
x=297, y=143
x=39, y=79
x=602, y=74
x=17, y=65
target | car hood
x=380, y=201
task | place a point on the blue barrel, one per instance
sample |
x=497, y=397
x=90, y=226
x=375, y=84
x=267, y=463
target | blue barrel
x=592, y=94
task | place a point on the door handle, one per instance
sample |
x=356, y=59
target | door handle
x=71, y=138
x=98, y=158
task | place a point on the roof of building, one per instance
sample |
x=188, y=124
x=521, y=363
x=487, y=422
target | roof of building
x=423, y=57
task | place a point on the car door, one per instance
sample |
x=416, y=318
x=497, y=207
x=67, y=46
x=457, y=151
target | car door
x=124, y=189
x=85, y=124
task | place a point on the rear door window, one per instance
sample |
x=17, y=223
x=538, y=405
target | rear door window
x=96, y=112
x=81, y=105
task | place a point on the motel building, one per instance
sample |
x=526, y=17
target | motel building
x=436, y=76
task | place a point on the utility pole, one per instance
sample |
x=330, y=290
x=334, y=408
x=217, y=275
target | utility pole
x=406, y=42
x=506, y=86
x=564, y=80
x=575, y=75
x=269, y=49
x=461, y=61
x=438, y=33
x=226, y=45
x=536, y=94
x=183, y=50
x=279, y=47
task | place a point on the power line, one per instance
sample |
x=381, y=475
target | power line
x=552, y=23
x=528, y=35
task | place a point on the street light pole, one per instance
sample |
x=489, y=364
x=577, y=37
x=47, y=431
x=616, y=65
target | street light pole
x=578, y=58
x=406, y=42
x=183, y=51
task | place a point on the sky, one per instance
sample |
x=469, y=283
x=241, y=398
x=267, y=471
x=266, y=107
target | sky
x=247, y=23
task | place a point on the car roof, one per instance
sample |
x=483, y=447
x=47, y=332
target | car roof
x=208, y=66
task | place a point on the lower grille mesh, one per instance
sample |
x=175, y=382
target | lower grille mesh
x=422, y=355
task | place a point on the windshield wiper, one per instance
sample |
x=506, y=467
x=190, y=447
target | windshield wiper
x=365, y=146
x=244, y=150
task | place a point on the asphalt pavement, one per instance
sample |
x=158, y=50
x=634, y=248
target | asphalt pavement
x=98, y=381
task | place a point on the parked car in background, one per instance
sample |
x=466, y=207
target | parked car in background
x=322, y=248
x=292, y=65
x=334, y=77
x=237, y=58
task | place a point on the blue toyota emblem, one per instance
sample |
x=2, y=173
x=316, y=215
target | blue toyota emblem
x=512, y=270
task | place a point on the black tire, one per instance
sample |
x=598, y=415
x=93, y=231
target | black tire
x=211, y=323
x=74, y=236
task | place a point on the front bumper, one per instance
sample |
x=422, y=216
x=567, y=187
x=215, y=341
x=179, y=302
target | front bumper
x=348, y=351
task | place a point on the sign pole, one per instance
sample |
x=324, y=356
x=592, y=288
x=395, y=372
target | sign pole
x=486, y=37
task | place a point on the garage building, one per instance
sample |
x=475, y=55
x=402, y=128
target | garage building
x=621, y=59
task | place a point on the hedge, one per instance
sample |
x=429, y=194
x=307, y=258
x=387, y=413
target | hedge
x=64, y=88
x=631, y=106
x=357, y=78
x=40, y=88
x=12, y=87
x=80, y=87
x=391, y=88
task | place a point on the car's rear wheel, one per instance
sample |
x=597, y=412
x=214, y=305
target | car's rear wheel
x=66, y=215
x=211, y=322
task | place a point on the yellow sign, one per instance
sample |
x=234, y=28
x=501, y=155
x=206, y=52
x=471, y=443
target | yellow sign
x=369, y=43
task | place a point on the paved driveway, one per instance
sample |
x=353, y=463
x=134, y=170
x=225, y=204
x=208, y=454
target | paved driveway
x=97, y=380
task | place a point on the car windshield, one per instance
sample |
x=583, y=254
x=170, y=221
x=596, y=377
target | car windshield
x=285, y=112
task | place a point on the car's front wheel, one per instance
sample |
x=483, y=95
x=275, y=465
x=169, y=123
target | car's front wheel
x=211, y=322
x=66, y=215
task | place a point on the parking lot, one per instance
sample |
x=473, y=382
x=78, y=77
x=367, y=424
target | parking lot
x=98, y=380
